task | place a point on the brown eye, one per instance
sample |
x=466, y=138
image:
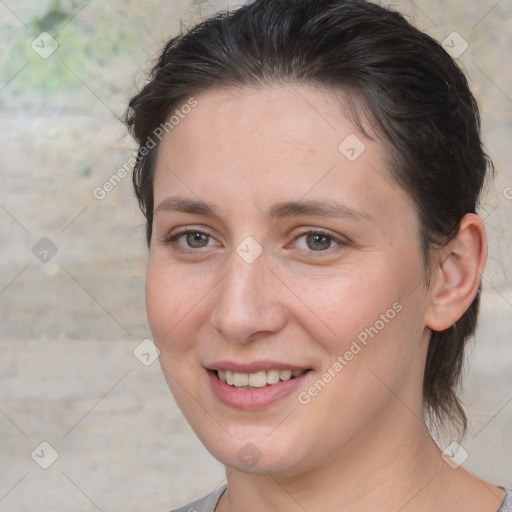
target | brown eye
x=196, y=239
x=315, y=240
x=189, y=240
x=318, y=241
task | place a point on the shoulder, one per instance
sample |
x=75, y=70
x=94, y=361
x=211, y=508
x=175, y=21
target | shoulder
x=506, y=506
x=205, y=504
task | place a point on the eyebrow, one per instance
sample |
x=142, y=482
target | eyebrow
x=278, y=211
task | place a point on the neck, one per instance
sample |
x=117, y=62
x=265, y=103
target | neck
x=385, y=467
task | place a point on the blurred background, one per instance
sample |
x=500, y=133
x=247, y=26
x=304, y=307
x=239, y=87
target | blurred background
x=73, y=373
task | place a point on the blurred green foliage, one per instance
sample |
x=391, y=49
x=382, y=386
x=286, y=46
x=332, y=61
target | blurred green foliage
x=95, y=39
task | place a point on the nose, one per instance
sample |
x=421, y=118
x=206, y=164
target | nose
x=248, y=304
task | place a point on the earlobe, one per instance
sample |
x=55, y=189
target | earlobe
x=457, y=275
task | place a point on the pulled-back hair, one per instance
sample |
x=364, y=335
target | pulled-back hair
x=398, y=78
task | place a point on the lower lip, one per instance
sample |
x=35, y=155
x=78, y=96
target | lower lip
x=256, y=398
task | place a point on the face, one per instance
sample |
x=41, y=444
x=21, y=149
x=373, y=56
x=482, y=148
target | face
x=285, y=261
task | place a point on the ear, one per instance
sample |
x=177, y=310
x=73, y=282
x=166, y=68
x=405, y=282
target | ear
x=457, y=274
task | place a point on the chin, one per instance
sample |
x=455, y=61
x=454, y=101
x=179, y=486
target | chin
x=254, y=452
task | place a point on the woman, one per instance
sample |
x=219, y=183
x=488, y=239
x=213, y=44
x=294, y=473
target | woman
x=310, y=173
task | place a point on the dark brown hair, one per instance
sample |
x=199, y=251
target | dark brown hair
x=399, y=78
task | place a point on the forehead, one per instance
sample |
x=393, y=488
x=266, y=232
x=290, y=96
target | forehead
x=254, y=145
x=283, y=117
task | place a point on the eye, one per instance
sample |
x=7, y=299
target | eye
x=315, y=240
x=319, y=241
x=192, y=239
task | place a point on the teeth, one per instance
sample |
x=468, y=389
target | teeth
x=273, y=376
x=240, y=379
x=257, y=379
x=285, y=374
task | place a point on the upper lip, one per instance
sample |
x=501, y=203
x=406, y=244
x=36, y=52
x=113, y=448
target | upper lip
x=254, y=366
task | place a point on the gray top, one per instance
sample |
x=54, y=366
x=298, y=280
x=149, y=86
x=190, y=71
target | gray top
x=209, y=502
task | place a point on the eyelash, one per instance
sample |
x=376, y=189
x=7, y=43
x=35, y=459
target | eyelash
x=172, y=239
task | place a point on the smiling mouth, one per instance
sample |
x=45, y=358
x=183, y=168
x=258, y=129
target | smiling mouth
x=257, y=380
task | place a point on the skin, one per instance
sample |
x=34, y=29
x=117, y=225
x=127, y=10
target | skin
x=362, y=440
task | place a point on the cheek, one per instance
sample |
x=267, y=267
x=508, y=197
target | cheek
x=345, y=303
x=173, y=302
x=369, y=314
